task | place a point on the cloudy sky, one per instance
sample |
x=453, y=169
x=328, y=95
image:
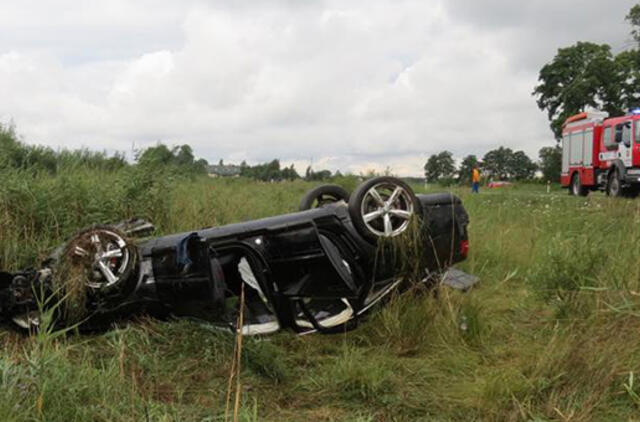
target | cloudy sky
x=350, y=85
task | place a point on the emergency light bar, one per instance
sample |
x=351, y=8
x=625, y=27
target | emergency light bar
x=593, y=116
x=634, y=111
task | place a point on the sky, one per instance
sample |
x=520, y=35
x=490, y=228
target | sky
x=343, y=85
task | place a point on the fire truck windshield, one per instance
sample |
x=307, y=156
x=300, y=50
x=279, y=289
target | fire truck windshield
x=626, y=132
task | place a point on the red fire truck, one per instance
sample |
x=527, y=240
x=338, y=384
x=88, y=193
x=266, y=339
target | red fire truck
x=601, y=153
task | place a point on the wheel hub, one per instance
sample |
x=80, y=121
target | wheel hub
x=105, y=256
x=387, y=209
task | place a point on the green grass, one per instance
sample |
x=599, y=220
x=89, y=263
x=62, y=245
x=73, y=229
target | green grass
x=552, y=332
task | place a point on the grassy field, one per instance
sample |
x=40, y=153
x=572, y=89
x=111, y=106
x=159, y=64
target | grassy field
x=552, y=332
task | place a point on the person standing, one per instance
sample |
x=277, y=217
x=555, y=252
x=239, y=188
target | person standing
x=475, y=180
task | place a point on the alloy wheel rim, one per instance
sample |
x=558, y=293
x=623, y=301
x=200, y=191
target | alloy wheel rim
x=387, y=209
x=105, y=257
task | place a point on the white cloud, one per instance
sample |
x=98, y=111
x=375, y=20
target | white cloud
x=350, y=86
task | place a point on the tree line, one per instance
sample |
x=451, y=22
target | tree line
x=178, y=160
x=498, y=164
x=273, y=171
x=588, y=75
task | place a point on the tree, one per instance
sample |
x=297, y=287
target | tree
x=183, y=155
x=495, y=163
x=270, y=171
x=551, y=163
x=521, y=167
x=200, y=166
x=581, y=76
x=290, y=173
x=155, y=156
x=505, y=164
x=439, y=167
x=633, y=17
x=466, y=167
x=309, y=174
x=628, y=68
x=588, y=75
x=180, y=158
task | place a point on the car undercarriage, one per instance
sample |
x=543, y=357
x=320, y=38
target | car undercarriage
x=319, y=269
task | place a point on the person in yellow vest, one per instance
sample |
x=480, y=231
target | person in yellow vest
x=475, y=180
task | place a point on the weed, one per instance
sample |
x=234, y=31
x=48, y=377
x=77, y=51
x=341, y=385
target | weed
x=550, y=333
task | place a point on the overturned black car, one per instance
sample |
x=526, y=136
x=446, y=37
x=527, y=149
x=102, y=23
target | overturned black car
x=319, y=269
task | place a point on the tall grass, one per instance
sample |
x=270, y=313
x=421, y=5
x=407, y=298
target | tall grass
x=550, y=333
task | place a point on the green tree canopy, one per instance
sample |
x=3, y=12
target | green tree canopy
x=551, y=163
x=16, y=154
x=588, y=75
x=495, y=163
x=179, y=157
x=439, y=166
x=628, y=68
x=581, y=76
x=270, y=171
x=505, y=164
x=466, y=167
x=521, y=167
x=633, y=17
x=310, y=174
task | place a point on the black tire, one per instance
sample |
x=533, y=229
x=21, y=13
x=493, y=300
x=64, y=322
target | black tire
x=360, y=204
x=323, y=195
x=614, y=187
x=576, y=187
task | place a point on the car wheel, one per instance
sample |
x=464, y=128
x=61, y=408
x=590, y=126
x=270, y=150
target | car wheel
x=106, y=258
x=95, y=266
x=322, y=195
x=613, y=185
x=383, y=207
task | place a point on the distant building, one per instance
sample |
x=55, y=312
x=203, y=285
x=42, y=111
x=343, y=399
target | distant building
x=223, y=170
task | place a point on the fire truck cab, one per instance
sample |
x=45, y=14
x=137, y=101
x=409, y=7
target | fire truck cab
x=600, y=153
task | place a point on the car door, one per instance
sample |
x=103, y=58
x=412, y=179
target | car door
x=623, y=134
x=305, y=263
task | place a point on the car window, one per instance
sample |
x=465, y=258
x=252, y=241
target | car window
x=637, y=126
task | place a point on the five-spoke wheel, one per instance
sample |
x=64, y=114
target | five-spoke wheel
x=383, y=207
x=98, y=264
x=104, y=255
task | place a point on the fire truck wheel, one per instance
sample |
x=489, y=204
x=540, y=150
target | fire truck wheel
x=613, y=185
x=576, y=187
